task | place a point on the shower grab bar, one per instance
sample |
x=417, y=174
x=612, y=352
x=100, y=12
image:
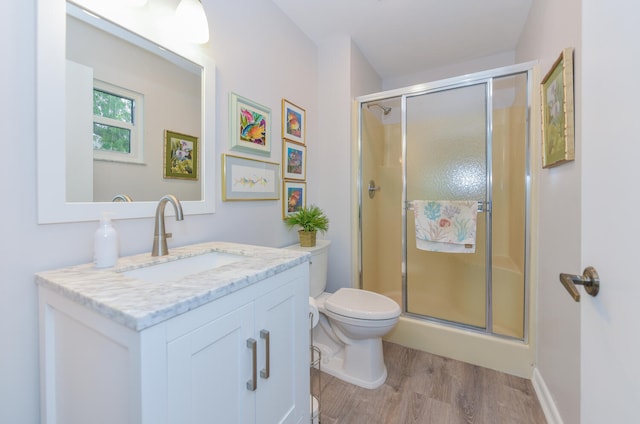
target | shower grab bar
x=481, y=206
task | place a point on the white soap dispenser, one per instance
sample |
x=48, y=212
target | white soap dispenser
x=105, y=243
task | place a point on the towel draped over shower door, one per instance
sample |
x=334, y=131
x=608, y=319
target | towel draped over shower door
x=446, y=225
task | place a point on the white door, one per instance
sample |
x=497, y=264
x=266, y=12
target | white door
x=610, y=337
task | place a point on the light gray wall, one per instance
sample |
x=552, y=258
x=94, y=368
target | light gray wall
x=552, y=26
x=344, y=68
x=331, y=164
x=260, y=55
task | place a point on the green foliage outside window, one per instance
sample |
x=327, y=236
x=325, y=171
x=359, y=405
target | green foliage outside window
x=106, y=137
x=110, y=137
x=112, y=106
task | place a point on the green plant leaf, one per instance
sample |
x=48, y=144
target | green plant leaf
x=311, y=218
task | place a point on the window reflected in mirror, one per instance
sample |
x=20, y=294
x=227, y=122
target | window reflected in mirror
x=121, y=98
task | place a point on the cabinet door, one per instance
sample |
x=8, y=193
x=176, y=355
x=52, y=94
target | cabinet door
x=208, y=370
x=281, y=397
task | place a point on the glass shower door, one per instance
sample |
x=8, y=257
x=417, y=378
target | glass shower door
x=446, y=148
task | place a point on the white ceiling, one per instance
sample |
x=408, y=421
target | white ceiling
x=402, y=37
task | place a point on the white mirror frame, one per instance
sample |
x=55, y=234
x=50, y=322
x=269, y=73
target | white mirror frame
x=50, y=125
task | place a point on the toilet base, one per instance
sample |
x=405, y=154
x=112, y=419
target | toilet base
x=333, y=363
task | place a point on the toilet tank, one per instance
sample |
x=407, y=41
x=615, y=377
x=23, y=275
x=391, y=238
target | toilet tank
x=318, y=267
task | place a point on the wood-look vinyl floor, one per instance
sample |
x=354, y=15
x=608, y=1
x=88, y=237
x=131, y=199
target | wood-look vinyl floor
x=426, y=388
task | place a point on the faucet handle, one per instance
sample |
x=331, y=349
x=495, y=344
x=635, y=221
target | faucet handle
x=168, y=235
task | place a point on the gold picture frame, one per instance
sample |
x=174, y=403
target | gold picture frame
x=249, y=179
x=294, y=197
x=294, y=122
x=181, y=153
x=294, y=161
x=556, y=91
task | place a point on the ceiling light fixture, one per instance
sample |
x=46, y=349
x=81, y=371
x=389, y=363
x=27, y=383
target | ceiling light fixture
x=128, y=3
x=192, y=21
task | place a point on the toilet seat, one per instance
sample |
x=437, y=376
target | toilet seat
x=361, y=304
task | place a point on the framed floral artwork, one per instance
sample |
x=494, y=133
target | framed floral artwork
x=557, y=112
x=250, y=125
x=294, y=197
x=294, y=122
x=294, y=159
x=180, y=156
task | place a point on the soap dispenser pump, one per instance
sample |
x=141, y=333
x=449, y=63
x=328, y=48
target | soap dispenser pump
x=105, y=243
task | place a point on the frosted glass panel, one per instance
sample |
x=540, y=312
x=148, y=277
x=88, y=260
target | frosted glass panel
x=446, y=160
x=446, y=145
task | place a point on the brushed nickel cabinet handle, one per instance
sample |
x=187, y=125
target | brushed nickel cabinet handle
x=253, y=383
x=266, y=371
x=589, y=279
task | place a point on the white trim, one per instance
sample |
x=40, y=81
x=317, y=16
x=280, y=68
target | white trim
x=50, y=122
x=549, y=408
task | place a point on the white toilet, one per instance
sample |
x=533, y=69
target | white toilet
x=351, y=325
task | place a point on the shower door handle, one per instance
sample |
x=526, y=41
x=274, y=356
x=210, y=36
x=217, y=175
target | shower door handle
x=589, y=279
x=372, y=189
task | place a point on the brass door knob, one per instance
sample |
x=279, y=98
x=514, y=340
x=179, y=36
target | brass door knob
x=589, y=279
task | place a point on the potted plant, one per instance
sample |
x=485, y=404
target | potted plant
x=310, y=220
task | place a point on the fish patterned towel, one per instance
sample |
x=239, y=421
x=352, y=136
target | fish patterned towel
x=446, y=225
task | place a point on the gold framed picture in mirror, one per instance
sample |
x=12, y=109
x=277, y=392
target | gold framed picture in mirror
x=180, y=156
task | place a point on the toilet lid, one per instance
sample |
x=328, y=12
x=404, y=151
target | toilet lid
x=362, y=304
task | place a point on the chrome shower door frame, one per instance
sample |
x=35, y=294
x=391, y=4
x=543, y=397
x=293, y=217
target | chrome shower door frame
x=487, y=78
x=488, y=99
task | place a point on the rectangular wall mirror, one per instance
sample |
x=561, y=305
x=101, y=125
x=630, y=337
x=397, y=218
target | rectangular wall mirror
x=122, y=88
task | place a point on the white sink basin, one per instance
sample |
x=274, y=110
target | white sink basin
x=180, y=268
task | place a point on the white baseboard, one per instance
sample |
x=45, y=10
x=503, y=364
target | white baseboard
x=546, y=400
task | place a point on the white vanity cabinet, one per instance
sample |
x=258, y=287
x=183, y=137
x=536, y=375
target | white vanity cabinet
x=213, y=375
x=194, y=367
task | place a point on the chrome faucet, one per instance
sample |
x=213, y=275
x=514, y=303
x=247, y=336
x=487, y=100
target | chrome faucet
x=122, y=198
x=160, y=236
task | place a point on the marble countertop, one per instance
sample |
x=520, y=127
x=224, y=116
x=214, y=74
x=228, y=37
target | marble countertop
x=139, y=304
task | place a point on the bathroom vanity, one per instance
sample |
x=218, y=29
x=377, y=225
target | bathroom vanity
x=215, y=332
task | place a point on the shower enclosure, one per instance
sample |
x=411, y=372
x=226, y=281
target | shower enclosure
x=458, y=139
